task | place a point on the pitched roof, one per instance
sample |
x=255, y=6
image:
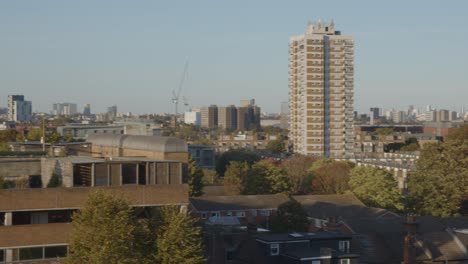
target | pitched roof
x=343, y=206
x=238, y=202
x=73, y=198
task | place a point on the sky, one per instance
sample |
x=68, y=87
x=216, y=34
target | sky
x=132, y=53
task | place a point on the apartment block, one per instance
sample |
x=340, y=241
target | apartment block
x=321, y=91
x=19, y=110
x=227, y=117
x=209, y=116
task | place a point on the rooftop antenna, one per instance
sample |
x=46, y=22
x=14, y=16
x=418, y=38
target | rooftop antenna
x=176, y=96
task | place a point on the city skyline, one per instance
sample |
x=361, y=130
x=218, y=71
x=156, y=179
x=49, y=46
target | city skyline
x=105, y=54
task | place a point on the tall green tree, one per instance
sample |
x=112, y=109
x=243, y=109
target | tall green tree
x=178, y=239
x=376, y=187
x=106, y=231
x=195, y=179
x=440, y=182
x=34, y=134
x=297, y=170
x=242, y=155
x=266, y=178
x=235, y=176
x=290, y=216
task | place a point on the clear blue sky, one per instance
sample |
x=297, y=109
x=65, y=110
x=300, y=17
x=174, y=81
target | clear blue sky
x=131, y=53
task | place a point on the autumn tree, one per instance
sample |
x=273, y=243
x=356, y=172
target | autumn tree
x=105, y=231
x=297, y=170
x=290, y=216
x=330, y=176
x=376, y=187
x=178, y=239
x=195, y=179
x=440, y=183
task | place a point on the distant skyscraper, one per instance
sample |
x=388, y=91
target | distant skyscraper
x=227, y=117
x=246, y=103
x=19, y=110
x=112, y=112
x=66, y=109
x=284, y=115
x=87, y=110
x=209, y=116
x=321, y=89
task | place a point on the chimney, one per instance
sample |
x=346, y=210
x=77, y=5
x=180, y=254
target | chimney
x=409, y=250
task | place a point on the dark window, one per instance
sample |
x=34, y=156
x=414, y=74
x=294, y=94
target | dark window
x=100, y=175
x=60, y=216
x=142, y=174
x=129, y=174
x=54, y=252
x=35, y=181
x=30, y=253
x=2, y=255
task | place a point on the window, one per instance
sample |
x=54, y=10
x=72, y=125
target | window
x=344, y=246
x=315, y=261
x=228, y=213
x=55, y=252
x=30, y=253
x=265, y=212
x=345, y=261
x=2, y=255
x=274, y=249
x=253, y=212
x=214, y=214
x=203, y=216
x=240, y=214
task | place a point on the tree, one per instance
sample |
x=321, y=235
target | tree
x=460, y=133
x=210, y=177
x=106, y=231
x=330, y=176
x=2, y=183
x=8, y=135
x=297, y=170
x=35, y=134
x=290, y=216
x=235, y=176
x=276, y=146
x=440, y=183
x=195, y=179
x=235, y=155
x=376, y=187
x=178, y=239
x=54, y=181
x=266, y=178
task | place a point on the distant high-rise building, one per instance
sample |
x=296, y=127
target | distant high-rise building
x=209, y=116
x=66, y=109
x=321, y=89
x=400, y=117
x=193, y=117
x=87, y=110
x=112, y=112
x=284, y=115
x=227, y=117
x=430, y=116
x=375, y=112
x=19, y=110
x=246, y=103
x=443, y=115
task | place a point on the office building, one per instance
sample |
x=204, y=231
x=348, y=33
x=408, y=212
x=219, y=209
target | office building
x=321, y=91
x=112, y=112
x=193, y=117
x=87, y=110
x=19, y=110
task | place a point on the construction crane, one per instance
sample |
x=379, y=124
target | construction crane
x=176, y=96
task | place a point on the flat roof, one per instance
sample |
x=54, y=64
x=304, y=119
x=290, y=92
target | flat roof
x=298, y=236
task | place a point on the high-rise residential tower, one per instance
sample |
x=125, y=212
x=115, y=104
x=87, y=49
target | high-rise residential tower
x=321, y=89
x=19, y=110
